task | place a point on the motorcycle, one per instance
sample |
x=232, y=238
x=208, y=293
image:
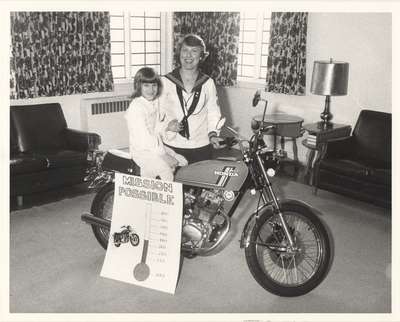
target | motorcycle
x=286, y=245
x=127, y=234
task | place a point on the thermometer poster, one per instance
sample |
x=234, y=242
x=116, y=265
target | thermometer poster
x=145, y=235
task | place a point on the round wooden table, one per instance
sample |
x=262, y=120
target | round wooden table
x=286, y=126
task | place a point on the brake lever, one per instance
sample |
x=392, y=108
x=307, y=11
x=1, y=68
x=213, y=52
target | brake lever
x=267, y=128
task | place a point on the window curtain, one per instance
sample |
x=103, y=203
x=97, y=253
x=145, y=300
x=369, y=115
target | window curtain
x=220, y=32
x=59, y=53
x=286, y=67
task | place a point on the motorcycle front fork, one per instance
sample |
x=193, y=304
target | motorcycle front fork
x=268, y=191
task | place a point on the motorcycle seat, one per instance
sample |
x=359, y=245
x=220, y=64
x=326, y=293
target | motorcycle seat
x=120, y=153
x=120, y=161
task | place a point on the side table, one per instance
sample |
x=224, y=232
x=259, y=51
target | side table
x=317, y=143
x=286, y=126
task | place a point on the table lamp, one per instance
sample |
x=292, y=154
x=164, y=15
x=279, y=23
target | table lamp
x=329, y=78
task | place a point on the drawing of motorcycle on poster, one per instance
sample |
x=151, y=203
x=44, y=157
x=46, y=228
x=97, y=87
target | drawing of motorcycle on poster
x=127, y=234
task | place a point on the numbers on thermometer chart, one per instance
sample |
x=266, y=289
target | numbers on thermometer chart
x=159, y=237
x=160, y=275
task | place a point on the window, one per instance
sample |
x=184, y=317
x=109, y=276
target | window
x=136, y=41
x=144, y=39
x=253, y=46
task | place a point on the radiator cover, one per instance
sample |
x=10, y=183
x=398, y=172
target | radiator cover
x=105, y=116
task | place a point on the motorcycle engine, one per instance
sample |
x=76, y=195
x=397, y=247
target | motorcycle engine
x=203, y=217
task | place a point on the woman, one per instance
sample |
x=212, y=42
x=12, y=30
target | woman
x=190, y=97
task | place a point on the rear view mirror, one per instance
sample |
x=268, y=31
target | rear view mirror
x=256, y=98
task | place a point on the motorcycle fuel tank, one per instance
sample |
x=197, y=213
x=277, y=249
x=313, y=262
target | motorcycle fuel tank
x=218, y=174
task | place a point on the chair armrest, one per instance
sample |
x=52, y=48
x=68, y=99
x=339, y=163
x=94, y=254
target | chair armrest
x=338, y=148
x=82, y=141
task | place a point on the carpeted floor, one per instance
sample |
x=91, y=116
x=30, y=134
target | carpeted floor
x=55, y=263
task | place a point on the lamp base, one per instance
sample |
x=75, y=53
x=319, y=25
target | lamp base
x=323, y=125
x=326, y=115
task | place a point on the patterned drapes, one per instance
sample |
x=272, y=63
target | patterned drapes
x=286, y=72
x=220, y=32
x=59, y=53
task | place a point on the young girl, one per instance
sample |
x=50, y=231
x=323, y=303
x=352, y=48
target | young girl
x=147, y=126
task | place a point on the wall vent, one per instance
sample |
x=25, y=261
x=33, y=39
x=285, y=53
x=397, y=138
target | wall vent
x=110, y=107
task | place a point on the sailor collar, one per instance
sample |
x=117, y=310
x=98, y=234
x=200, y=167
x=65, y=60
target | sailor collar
x=175, y=77
x=146, y=102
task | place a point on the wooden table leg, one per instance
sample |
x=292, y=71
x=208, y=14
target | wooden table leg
x=308, y=175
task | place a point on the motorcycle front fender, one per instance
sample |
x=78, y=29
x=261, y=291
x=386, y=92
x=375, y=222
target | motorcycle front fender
x=248, y=227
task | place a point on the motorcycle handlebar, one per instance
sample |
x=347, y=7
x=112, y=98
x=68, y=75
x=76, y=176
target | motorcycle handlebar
x=232, y=130
x=239, y=138
x=267, y=128
x=229, y=141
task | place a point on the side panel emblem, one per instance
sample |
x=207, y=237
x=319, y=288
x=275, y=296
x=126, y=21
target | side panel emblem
x=224, y=175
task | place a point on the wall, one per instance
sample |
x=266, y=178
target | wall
x=71, y=104
x=362, y=39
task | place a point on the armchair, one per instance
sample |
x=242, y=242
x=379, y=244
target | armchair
x=360, y=165
x=44, y=152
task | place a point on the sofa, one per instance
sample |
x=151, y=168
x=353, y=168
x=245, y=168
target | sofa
x=44, y=152
x=360, y=166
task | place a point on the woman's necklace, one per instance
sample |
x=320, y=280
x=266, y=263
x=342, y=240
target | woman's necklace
x=189, y=80
x=186, y=101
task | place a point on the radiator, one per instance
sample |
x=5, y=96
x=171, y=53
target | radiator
x=105, y=116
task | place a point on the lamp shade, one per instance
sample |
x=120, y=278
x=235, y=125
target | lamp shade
x=330, y=78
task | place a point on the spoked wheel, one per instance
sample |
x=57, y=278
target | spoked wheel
x=134, y=239
x=283, y=270
x=102, y=207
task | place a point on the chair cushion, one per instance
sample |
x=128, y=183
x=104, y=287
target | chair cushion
x=349, y=186
x=62, y=158
x=358, y=170
x=39, y=126
x=27, y=163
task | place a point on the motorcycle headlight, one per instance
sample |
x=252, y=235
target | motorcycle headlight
x=271, y=172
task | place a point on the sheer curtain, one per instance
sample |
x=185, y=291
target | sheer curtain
x=59, y=53
x=286, y=67
x=220, y=32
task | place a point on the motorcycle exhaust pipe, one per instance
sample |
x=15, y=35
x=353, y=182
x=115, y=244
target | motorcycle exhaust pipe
x=92, y=220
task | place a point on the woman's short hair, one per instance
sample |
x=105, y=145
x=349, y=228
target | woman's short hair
x=145, y=75
x=193, y=41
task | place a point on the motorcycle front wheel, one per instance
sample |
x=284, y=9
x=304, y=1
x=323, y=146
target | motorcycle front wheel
x=283, y=271
x=134, y=239
x=102, y=207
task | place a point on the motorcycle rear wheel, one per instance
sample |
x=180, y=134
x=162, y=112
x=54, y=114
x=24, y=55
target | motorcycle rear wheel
x=102, y=207
x=278, y=271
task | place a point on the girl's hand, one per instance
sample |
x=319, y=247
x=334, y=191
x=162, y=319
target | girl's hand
x=171, y=161
x=174, y=126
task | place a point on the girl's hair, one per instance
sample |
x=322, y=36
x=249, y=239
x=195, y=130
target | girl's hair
x=193, y=41
x=145, y=75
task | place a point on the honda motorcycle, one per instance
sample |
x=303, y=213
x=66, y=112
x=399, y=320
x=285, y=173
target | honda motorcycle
x=127, y=234
x=286, y=245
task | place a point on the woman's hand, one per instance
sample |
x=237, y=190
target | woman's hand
x=174, y=126
x=216, y=142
